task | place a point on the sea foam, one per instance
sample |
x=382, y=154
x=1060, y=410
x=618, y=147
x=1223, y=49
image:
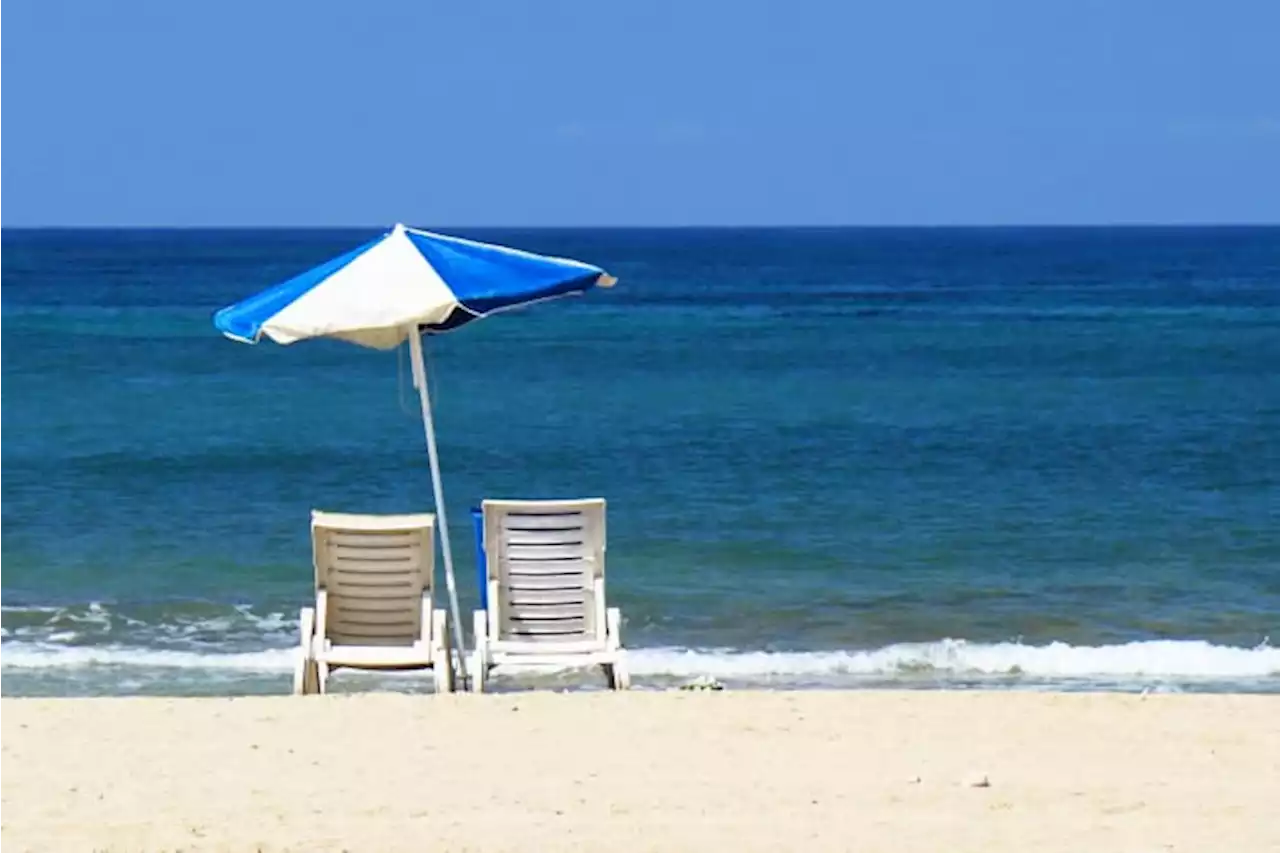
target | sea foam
x=1053, y=662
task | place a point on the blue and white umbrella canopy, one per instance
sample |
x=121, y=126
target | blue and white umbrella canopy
x=376, y=294
x=395, y=288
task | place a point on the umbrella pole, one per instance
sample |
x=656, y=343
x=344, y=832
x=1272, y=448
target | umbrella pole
x=420, y=381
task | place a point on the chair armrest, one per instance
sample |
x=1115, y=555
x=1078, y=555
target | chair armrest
x=614, y=622
x=322, y=615
x=493, y=609
x=440, y=638
x=425, y=617
x=601, y=618
x=307, y=627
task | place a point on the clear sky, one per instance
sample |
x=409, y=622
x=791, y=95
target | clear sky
x=606, y=112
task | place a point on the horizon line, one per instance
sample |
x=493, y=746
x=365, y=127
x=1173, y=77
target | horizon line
x=641, y=227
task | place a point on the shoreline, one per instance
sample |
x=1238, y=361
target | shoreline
x=661, y=770
x=33, y=667
x=276, y=688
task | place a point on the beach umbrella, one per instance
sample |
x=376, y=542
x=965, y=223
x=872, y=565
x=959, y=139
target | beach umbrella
x=395, y=288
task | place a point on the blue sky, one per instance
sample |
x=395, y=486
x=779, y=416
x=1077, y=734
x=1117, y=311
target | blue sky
x=641, y=113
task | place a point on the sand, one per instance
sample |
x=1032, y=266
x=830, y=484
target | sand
x=670, y=771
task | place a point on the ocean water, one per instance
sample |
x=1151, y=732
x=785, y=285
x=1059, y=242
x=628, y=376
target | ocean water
x=1018, y=458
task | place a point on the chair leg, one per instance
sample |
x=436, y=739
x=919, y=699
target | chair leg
x=322, y=678
x=306, y=677
x=479, y=659
x=443, y=676
x=621, y=675
x=441, y=657
x=616, y=674
x=304, y=671
x=300, y=675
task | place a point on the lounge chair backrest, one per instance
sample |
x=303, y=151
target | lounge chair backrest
x=547, y=559
x=375, y=569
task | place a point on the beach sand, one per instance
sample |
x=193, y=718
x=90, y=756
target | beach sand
x=669, y=771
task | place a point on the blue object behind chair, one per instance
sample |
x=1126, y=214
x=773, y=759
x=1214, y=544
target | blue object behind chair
x=482, y=574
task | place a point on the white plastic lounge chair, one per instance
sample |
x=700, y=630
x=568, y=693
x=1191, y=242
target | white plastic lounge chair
x=546, y=601
x=373, y=599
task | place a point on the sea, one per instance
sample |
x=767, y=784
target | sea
x=996, y=458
